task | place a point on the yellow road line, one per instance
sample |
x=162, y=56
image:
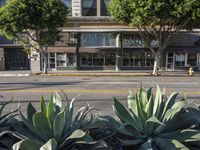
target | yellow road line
x=123, y=91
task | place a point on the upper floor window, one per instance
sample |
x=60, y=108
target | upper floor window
x=132, y=40
x=104, y=7
x=95, y=7
x=68, y=3
x=89, y=7
x=98, y=39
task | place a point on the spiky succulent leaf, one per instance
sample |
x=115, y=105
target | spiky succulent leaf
x=50, y=110
x=43, y=106
x=58, y=125
x=124, y=115
x=42, y=125
x=27, y=144
x=57, y=102
x=30, y=112
x=49, y=145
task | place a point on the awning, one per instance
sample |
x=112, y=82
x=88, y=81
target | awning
x=61, y=49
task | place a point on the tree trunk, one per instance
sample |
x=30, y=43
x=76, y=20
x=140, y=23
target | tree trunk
x=45, y=63
x=157, y=63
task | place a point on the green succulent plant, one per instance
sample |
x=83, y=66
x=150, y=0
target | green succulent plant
x=7, y=136
x=157, y=122
x=55, y=127
x=104, y=128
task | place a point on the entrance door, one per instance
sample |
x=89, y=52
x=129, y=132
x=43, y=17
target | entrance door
x=170, y=61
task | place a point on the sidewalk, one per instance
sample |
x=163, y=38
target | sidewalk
x=96, y=73
x=20, y=73
x=119, y=73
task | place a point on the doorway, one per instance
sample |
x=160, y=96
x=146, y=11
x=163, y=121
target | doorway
x=170, y=61
x=16, y=59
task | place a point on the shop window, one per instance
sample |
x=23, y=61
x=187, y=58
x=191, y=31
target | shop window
x=71, y=59
x=104, y=7
x=52, y=63
x=89, y=8
x=192, y=59
x=138, y=58
x=61, y=59
x=68, y=3
x=110, y=58
x=86, y=59
x=98, y=59
x=180, y=60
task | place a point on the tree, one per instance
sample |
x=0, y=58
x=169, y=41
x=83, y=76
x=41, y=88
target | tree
x=159, y=22
x=25, y=20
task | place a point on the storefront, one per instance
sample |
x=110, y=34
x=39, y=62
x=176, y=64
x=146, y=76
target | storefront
x=182, y=60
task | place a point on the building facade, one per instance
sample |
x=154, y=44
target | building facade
x=91, y=40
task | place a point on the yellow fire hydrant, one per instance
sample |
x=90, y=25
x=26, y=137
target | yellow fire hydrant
x=190, y=71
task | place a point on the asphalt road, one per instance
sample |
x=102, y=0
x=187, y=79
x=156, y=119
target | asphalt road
x=97, y=91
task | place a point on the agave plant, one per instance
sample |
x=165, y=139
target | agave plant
x=104, y=128
x=157, y=123
x=7, y=136
x=55, y=127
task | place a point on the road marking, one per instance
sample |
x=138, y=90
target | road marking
x=122, y=91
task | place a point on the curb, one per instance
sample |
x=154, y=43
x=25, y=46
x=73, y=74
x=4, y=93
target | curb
x=120, y=75
x=94, y=75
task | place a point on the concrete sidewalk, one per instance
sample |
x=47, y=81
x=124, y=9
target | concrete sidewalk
x=96, y=73
x=20, y=73
x=118, y=73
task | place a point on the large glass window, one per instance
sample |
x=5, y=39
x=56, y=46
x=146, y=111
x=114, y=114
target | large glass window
x=61, y=59
x=98, y=59
x=192, y=59
x=132, y=40
x=68, y=3
x=138, y=58
x=52, y=63
x=180, y=59
x=98, y=39
x=89, y=8
x=110, y=58
x=104, y=7
x=86, y=59
x=71, y=59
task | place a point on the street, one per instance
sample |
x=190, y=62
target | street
x=97, y=91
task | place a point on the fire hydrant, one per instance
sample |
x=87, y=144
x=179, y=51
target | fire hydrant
x=190, y=71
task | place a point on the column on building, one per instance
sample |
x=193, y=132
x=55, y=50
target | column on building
x=35, y=59
x=76, y=8
x=119, y=44
x=2, y=60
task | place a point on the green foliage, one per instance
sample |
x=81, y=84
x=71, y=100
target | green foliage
x=154, y=12
x=104, y=128
x=19, y=16
x=7, y=136
x=55, y=127
x=156, y=122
